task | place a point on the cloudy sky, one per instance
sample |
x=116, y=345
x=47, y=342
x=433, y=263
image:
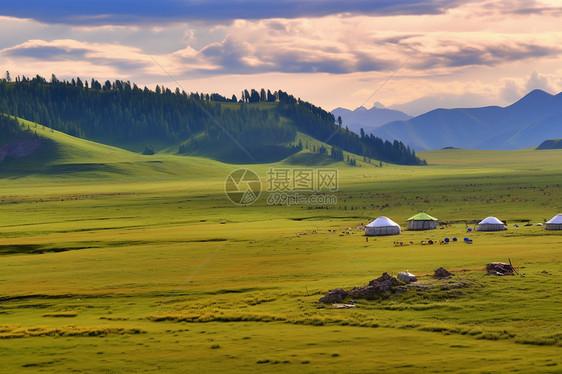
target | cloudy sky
x=413, y=55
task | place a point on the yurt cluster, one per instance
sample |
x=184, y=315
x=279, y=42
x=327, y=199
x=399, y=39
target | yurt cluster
x=423, y=221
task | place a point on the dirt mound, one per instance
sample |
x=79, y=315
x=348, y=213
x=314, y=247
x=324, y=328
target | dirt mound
x=442, y=273
x=377, y=287
x=334, y=296
x=499, y=268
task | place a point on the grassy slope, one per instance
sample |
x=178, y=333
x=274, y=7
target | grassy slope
x=550, y=144
x=92, y=160
x=235, y=288
x=266, y=154
x=208, y=149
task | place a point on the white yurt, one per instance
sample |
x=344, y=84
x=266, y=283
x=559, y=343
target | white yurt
x=490, y=224
x=382, y=226
x=555, y=223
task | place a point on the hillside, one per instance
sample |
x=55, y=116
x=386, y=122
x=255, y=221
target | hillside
x=60, y=155
x=368, y=119
x=19, y=140
x=260, y=127
x=529, y=121
x=42, y=152
x=551, y=144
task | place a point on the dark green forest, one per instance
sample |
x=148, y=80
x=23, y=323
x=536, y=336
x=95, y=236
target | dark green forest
x=318, y=123
x=9, y=128
x=259, y=127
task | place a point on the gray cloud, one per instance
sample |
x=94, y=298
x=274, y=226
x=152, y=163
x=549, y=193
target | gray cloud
x=484, y=55
x=236, y=57
x=48, y=53
x=126, y=12
x=521, y=7
x=368, y=63
x=294, y=63
x=122, y=65
x=60, y=53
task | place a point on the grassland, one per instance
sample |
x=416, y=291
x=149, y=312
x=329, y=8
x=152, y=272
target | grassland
x=112, y=261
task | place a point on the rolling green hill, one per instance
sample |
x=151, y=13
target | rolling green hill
x=63, y=155
x=256, y=129
x=550, y=144
x=67, y=156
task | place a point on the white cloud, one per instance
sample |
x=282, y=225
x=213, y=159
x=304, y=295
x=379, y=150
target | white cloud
x=538, y=81
x=511, y=90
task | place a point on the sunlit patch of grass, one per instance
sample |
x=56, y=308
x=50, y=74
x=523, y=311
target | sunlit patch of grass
x=491, y=334
x=545, y=335
x=9, y=332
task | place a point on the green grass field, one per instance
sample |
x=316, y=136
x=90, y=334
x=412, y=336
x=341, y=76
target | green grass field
x=112, y=261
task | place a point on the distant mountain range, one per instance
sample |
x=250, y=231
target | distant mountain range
x=528, y=122
x=368, y=119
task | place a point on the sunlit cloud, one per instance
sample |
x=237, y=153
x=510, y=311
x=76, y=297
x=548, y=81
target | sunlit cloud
x=77, y=58
x=416, y=55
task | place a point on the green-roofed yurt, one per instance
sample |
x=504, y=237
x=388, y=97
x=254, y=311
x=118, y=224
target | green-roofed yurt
x=422, y=221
